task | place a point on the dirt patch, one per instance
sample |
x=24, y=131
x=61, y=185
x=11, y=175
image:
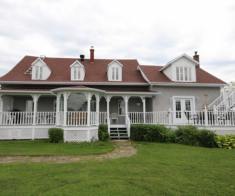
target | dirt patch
x=122, y=149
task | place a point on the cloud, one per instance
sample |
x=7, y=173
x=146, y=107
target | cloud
x=153, y=31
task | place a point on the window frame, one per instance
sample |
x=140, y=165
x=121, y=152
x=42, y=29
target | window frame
x=183, y=74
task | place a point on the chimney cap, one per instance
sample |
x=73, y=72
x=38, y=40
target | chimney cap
x=82, y=57
x=92, y=47
x=195, y=52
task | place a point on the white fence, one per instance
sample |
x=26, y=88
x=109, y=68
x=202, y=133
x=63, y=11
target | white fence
x=78, y=118
x=16, y=118
x=198, y=118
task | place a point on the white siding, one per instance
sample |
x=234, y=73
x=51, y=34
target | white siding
x=170, y=72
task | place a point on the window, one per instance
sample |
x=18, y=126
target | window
x=77, y=75
x=184, y=74
x=38, y=72
x=115, y=73
x=77, y=72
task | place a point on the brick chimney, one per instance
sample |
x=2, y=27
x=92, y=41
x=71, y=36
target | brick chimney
x=92, y=54
x=196, y=58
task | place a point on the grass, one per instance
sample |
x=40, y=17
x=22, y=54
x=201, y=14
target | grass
x=43, y=147
x=157, y=169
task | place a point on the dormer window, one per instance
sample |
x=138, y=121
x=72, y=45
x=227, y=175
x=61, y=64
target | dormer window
x=77, y=71
x=183, y=74
x=115, y=71
x=181, y=69
x=40, y=70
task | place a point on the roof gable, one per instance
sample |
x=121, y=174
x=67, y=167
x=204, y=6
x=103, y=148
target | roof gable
x=77, y=63
x=178, y=58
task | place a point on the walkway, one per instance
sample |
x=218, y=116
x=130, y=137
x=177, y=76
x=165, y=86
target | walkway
x=122, y=149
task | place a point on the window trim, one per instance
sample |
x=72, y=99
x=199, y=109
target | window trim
x=38, y=72
x=183, y=74
x=114, y=71
x=77, y=71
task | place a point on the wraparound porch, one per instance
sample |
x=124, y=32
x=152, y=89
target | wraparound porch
x=74, y=109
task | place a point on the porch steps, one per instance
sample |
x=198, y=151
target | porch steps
x=119, y=133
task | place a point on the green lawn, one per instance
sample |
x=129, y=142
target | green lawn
x=157, y=169
x=43, y=147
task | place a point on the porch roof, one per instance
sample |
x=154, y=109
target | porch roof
x=78, y=88
x=25, y=91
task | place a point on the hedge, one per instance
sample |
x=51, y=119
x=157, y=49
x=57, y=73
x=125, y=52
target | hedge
x=189, y=135
x=151, y=133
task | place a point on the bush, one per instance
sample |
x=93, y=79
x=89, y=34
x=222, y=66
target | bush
x=190, y=135
x=151, y=133
x=187, y=135
x=56, y=135
x=103, y=132
x=138, y=132
x=207, y=138
x=225, y=141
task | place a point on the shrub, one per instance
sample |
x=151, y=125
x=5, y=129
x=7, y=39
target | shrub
x=206, y=138
x=190, y=135
x=225, y=141
x=187, y=135
x=151, y=133
x=138, y=132
x=55, y=135
x=103, y=132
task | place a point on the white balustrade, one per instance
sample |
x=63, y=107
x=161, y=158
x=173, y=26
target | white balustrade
x=45, y=118
x=103, y=118
x=76, y=118
x=16, y=118
x=93, y=118
x=79, y=118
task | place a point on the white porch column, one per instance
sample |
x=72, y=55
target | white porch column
x=107, y=101
x=58, y=96
x=1, y=103
x=66, y=95
x=144, y=108
x=88, y=109
x=126, y=98
x=97, y=99
x=1, y=109
x=35, y=108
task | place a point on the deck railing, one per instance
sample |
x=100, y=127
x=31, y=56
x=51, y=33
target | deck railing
x=79, y=118
x=76, y=118
x=16, y=118
x=103, y=118
x=46, y=118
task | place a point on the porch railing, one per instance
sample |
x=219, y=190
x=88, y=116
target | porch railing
x=103, y=118
x=46, y=118
x=78, y=118
x=16, y=118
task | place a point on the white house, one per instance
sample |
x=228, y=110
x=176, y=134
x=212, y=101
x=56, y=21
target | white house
x=78, y=94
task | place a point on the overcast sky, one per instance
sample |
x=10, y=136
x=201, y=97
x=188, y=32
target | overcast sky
x=152, y=31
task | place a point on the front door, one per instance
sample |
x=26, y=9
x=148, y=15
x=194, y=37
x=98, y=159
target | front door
x=183, y=109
